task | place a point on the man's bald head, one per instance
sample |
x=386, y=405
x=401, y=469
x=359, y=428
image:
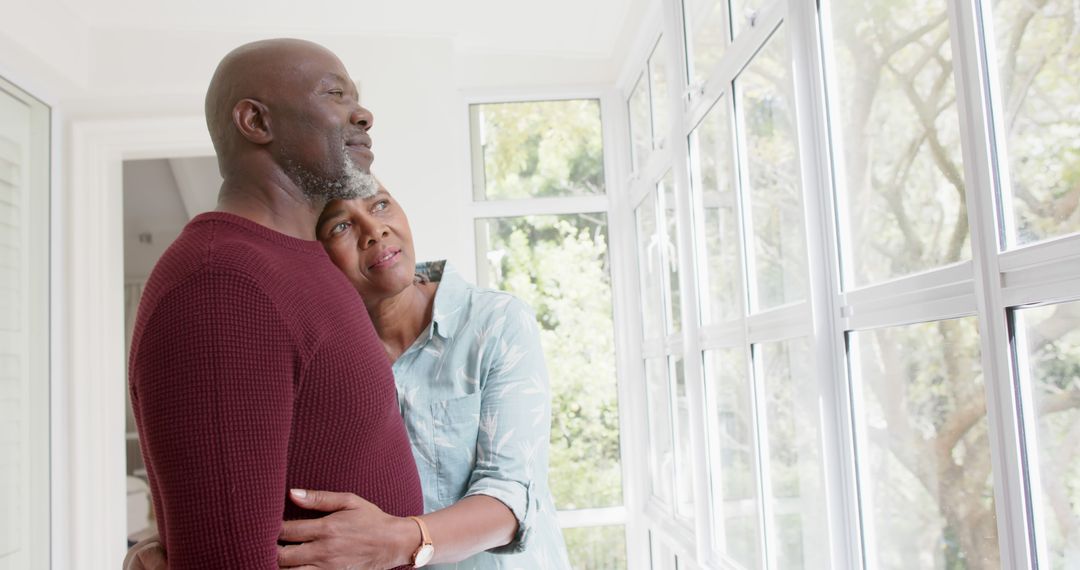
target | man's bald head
x=258, y=70
x=288, y=106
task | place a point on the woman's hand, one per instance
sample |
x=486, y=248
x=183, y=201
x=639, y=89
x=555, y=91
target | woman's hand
x=355, y=535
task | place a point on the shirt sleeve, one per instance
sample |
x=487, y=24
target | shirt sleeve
x=515, y=420
x=212, y=389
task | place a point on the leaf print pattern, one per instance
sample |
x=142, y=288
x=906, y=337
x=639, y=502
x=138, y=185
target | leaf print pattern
x=483, y=349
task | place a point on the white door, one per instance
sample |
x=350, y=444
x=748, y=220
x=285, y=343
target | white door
x=24, y=331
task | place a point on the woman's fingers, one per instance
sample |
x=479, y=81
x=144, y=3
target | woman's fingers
x=326, y=501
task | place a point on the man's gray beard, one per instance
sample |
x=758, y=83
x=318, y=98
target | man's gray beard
x=353, y=182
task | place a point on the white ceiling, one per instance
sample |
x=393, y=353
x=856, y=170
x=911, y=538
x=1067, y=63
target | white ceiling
x=585, y=28
x=131, y=59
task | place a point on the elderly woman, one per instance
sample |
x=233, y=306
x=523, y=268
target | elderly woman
x=473, y=391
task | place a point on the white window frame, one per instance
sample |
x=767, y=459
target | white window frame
x=987, y=286
x=620, y=249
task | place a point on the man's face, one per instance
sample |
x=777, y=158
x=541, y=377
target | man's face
x=370, y=241
x=321, y=131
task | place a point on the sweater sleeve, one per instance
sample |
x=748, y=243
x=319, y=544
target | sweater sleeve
x=212, y=388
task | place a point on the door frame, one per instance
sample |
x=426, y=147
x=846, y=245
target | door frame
x=89, y=467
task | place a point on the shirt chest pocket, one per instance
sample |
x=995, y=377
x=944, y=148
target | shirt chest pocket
x=456, y=424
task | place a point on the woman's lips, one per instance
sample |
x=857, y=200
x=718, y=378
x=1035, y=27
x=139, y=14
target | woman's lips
x=386, y=259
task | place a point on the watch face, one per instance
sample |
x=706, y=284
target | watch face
x=423, y=556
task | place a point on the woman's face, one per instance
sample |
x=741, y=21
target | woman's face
x=369, y=240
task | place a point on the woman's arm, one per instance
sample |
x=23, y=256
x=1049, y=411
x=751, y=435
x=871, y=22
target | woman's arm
x=471, y=525
x=357, y=533
x=511, y=451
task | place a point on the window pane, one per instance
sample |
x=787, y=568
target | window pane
x=596, y=547
x=1038, y=62
x=1052, y=356
x=650, y=267
x=666, y=189
x=559, y=266
x=658, y=74
x=706, y=36
x=768, y=120
x=926, y=488
x=537, y=149
x=733, y=456
x=714, y=178
x=898, y=139
x=661, y=449
x=641, y=135
x=684, y=459
x=799, y=533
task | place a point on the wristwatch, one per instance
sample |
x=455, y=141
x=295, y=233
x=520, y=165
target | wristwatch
x=426, y=550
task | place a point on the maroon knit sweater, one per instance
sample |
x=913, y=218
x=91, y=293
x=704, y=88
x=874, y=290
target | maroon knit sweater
x=255, y=369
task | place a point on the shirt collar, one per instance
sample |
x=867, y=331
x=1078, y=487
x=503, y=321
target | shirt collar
x=450, y=297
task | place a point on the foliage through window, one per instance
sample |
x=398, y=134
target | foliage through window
x=926, y=483
x=1038, y=62
x=523, y=154
x=537, y=149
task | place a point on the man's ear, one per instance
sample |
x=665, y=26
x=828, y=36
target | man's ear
x=252, y=119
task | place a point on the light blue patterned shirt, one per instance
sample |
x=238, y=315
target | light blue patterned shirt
x=474, y=392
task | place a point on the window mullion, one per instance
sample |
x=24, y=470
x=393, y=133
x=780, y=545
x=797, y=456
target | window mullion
x=688, y=268
x=626, y=295
x=1003, y=405
x=823, y=263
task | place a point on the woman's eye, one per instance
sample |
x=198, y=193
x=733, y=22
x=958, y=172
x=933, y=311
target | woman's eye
x=381, y=205
x=339, y=228
x=337, y=93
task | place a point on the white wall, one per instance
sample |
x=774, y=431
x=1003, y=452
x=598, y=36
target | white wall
x=150, y=190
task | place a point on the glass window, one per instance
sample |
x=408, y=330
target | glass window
x=658, y=74
x=650, y=268
x=706, y=36
x=1048, y=349
x=796, y=486
x=1038, y=62
x=925, y=473
x=666, y=190
x=559, y=266
x=897, y=131
x=597, y=547
x=684, y=459
x=641, y=133
x=733, y=456
x=768, y=123
x=537, y=149
x=661, y=449
x=714, y=178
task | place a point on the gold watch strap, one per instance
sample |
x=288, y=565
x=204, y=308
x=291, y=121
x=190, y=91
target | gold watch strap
x=425, y=538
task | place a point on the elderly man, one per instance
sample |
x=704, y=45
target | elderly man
x=254, y=367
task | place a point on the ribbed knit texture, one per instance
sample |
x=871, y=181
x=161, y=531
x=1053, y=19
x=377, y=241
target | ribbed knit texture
x=255, y=369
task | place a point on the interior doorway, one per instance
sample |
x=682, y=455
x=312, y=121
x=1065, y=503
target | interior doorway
x=90, y=453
